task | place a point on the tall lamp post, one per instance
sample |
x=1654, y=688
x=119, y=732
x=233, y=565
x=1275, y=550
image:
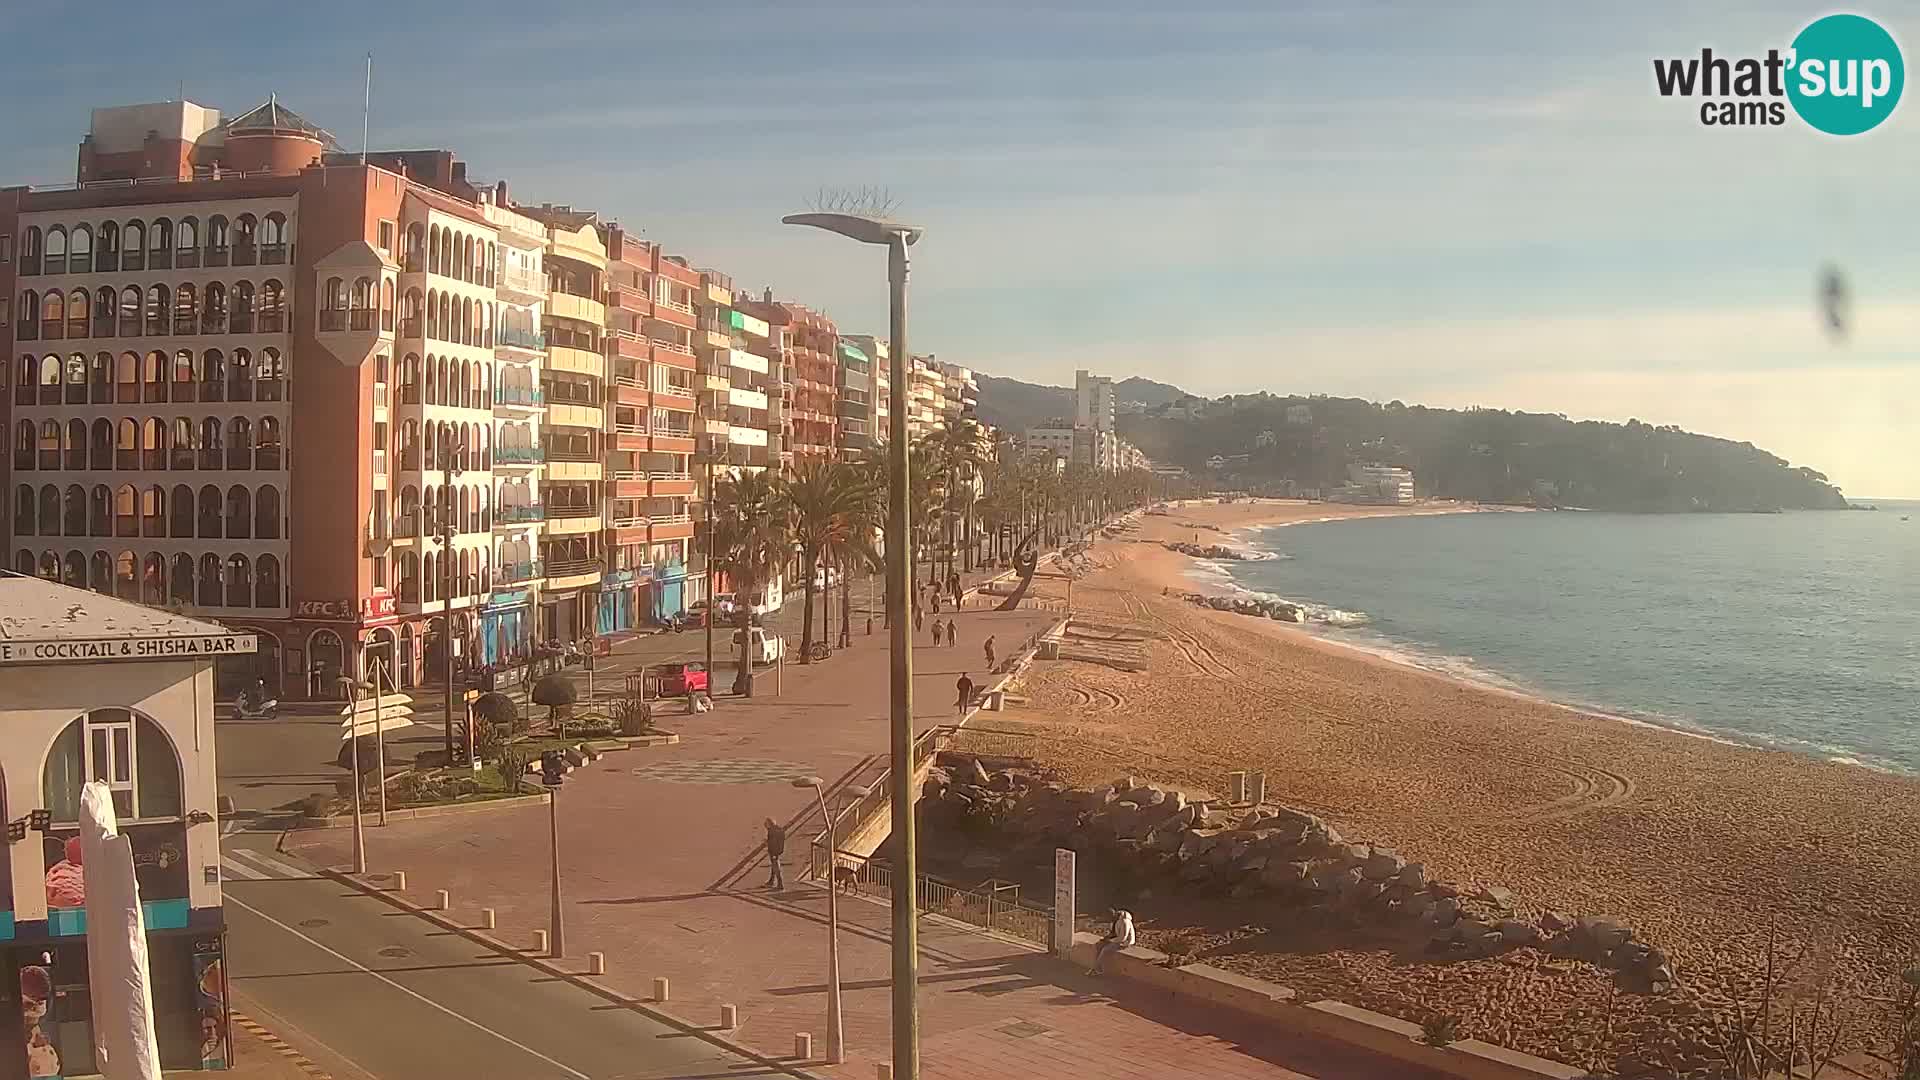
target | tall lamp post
x=351, y=687
x=836, y=1031
x=897, y=238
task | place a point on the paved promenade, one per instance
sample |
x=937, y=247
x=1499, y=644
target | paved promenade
x=663, y=873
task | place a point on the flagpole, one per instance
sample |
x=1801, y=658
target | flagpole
x=366, y=110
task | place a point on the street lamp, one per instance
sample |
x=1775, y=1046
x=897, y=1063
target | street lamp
x=906, y=946
x=836, y=1033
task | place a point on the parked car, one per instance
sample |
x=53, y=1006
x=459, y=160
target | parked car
x=681, y=679
x=765, y=648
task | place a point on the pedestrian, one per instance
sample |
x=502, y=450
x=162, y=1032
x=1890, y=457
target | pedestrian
x=935, y=596
x=776, y=847
x=936, y=633
x=1119, y=936
x=953, y=633
x=953, y=582
x=965, y=686
x=869, y=626
x=919, y=619
x=989, y=648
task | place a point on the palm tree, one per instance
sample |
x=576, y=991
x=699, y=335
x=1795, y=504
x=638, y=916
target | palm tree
x=957, y=454
x=748, y=542
x=823, y=501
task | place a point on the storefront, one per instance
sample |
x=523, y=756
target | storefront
x=121, y=694
x=620, y=592
x=669, y=590
x=560, y=613
x=506, y=627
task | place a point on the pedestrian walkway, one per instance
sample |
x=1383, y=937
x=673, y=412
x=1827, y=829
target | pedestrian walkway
x=663, y=871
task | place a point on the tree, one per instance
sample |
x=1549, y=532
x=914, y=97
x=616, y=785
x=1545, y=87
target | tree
x=821, y=500
x=748, y=542
x=955, y=455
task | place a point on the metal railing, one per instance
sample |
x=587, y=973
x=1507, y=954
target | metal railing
x=513, y=337
x=518, y=455
x=997, y=908
x=518, y=395
x=520, y=571
x=520, y=514
x=628, y=522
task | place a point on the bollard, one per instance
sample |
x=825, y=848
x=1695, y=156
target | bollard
x=660, y=988
x=883, y=1071
x=486, y=918
x=443, y=901
x=399, y=881
x=1257, y=788
x=539, y=942
x=803, y=1046
x=729, y=1017
x=596, y=963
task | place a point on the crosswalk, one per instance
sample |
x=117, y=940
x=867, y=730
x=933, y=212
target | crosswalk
x=246, y=864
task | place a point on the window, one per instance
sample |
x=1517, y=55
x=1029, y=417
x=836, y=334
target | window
x=128, y=752
x=386, y=237
x=6, y=247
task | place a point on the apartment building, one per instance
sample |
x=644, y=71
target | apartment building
x=880, y=395
x=509, y=618
x=855, y=405
x=765, y=339
x=811, y=383
x=962, y=392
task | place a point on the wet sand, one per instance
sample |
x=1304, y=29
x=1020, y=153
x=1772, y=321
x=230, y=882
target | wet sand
x=1695, y=844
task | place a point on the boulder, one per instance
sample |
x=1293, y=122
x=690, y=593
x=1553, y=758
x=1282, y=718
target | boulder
x=1382, y=864
x=1517, y=932
x=1413, y=876
x=1282, y=875
x=1496, y=895
x=1195, y=844
x=1600, y=936
x=1553, y=922
x=1444, y=912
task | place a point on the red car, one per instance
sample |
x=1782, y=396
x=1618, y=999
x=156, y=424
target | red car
x=679, y=680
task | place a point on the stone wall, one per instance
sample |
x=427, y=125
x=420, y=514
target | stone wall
x=1288, y=855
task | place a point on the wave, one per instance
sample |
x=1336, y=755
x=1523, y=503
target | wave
x=1218, y=573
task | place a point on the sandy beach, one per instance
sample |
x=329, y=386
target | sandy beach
x=1696, y=844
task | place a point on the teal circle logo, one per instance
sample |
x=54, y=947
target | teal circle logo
x=1846, y=74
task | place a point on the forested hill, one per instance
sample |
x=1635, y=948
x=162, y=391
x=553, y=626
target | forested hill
x=1278, y=443
x=1015, y=406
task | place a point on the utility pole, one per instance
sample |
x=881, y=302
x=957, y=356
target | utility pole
x=906, y=912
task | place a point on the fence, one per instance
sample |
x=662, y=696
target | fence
x=997, y=906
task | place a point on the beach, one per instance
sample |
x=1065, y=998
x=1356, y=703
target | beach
x=1698, y=845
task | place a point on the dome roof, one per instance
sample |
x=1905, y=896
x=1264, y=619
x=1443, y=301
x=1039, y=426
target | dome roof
x=272, y=118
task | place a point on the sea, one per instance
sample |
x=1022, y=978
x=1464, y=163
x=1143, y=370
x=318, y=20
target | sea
x=1799, y=631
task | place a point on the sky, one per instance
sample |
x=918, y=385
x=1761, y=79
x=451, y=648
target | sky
x=1474, y=204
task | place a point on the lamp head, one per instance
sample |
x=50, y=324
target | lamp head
x=867, y=230
x=807, y=782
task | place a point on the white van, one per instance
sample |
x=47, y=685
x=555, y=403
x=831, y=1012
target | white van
x=764, y=648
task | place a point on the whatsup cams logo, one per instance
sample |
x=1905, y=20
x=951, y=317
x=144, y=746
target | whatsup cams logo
x=1842, y=75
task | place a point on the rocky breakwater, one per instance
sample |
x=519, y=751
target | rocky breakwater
x=1209, y=551
x=1205, y=848
x=1256, y=606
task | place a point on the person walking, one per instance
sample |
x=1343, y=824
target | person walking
x=1119, y=936
x=953, y=633
x=989, y=648
x=776, y=847
x=919, y=619
x=965, y=686
x=936, y=633
x=934, y=596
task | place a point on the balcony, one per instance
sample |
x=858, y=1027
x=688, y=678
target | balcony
x=678, y=398
x=676, y=313
x=672, y=352
x=518, y=399
x=628, y=345
x=516, y=572
x=628, y=522
x=521, y=283
x=571, y=573
x=747, y=361
x=577, y=360
x=568, y=520
x=515, y=339
x=629, y=298
x=567, y=414
x=517, y=456
x=581, y=308
x=510, y=516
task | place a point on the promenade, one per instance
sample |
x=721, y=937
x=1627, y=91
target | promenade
x=660, y=855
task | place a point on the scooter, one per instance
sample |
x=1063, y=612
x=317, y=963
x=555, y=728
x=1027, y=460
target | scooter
x=266, y=710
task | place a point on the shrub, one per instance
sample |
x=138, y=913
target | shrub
x=1178, y=948
x=634, y=716
x=489, y=740
x=1439, y=1030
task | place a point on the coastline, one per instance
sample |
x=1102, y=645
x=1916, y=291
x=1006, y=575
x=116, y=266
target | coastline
x=1696, y=842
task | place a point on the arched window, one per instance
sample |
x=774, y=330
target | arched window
x=100, y=377
x=153, y=579
x=182, y=374
x=74, y=511
x=180, y=517
x=106, y=250
x=266, y=446
x=125, y=750
x=212, y=581
x=159, y=304
x=186, y=243
x=126, y=576
x=239, y=513
x=130, y=306
x=126, y=511
x=160, y=245
x=208, y=521
x=273, y=311
x=53, y=315
x=153, y=512
x=24, y=502
x=245, y=236
x=241, y=321
x=239, y=581
x=50, y=444
x=156, y=370
x=266, y=513
x=23, y=562
x=79, y=313
x=183, y=454
x=239, y=443
x=240, y=376
x=76, y=445
x=274, y=240
x=186, y=309
x=24, y=441
x=415, y=259
x=213, y=310
x=56, y=251
x=80, y=250
x=433, y=250
x=100, y=573
x=100, y=445
x=74, y=570
x=180, y=587
x=100, y=511
x=429, y=581
x=49, y=566
x=270, y=377
x=266, y=584
x=213, y=375
x=360, y=304
x=29, y=315
x=386, y=305
x=409, y=590
x=219, y=241
x=153, y=444
x=212, y=443
x=333, y=304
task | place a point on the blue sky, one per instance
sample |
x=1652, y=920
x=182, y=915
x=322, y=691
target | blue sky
x=1472, y=204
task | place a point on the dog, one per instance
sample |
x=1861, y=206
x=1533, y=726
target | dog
x=846, y=877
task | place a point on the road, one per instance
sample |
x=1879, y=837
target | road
x=370, y=991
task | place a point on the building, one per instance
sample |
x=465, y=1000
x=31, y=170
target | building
x=1093, y=404
x=811, y=383
x=1383, y=484
x=99, y=688
x=962, y=392
x=880, y=398
x=1054, y=439
x=856, y=408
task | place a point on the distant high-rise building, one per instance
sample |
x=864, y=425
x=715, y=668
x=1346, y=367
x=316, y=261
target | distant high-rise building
x=1092, y=401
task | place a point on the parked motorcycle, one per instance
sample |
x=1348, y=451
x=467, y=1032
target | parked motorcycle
x=246, y=709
